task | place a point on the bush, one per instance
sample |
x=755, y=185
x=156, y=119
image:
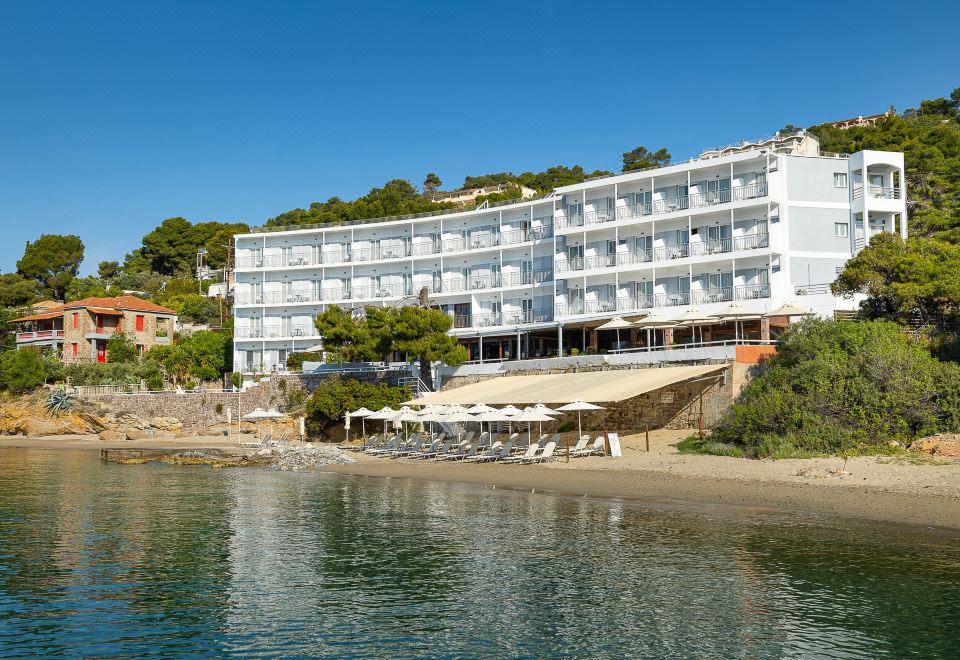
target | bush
x=121, y=349
x=834, y=386
x=336, y=396
x=112, y=373
x=295, y=360
x=22, y=370
x=236, y=378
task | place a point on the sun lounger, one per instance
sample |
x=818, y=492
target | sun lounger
x=581, y=445
x=532, y=450
x=410, y=448
x=390, y=445
x=503, y=452
x=492, y=451
x=596, y=449
x=467, y=452
x=545, y=455
x=437, y=447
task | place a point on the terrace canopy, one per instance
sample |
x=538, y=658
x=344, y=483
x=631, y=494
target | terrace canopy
x=592, y=386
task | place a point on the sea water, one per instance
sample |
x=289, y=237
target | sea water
x=100, y=559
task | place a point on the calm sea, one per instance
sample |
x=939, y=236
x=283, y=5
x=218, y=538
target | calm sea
x=106, y=560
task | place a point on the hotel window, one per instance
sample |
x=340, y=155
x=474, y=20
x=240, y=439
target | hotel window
x=139, y=325
x=76, y=320
x=74, y=349
x=839, y=179
x=841, y=229
x=140, y=348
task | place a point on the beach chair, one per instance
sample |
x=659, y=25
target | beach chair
x=442, y=448
x=596, y=449
x=493, y=450
x=390, y=445
x=465, y=452
x=532, y=450
x=581, y=445
x=505, y=449
x=545, y=455
x=411, y=448
x=262, y=443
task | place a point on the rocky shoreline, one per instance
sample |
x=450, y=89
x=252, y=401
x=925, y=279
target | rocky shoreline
x=294, y=459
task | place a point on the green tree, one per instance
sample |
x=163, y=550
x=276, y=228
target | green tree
x=641, y=158
x=193, y=308
x=85, y=287
x=203, y=356
x=335, y=396
x=52, y=261
x=121, y=349
x=421, y=333
x=16, y=291
x=295, y=360
x=431, y=183
x=904, y=279
x=108, y=270
x=22, y=370
x=346, y=336
x=171, y=248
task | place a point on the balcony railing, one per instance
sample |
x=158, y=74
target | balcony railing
x=877, y=192
x=671, y=299
x=462, y=321
x=702, y=248
x=38, y=335
x=667, y=252
x=671, y=205
x=632, y=303
x=751, y=242
x=751, y=291
x=424, y=249
x=711, y=295
x=483, y=319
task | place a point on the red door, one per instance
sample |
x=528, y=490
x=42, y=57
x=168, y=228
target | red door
x=101, y=350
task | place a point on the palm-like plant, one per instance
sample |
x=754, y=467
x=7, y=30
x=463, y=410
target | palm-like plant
x=59, y=401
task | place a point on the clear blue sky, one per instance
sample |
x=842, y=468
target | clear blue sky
x=116, y=115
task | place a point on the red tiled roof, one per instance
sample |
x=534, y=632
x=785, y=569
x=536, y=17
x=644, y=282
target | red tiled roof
x=101, y=306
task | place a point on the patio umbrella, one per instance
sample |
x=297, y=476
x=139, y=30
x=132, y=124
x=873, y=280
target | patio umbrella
x=738, y=313
x=362, y=413
x=545, y=410
x=459, y=417
x=530, y=415
x=652, y=322
x=492, y=415
x=259, y=414
x=384, y=414
x=405, y=414
x=510, y=412
x=579, y=406
x=789, y=309
x=618, y=324
x=693, y=318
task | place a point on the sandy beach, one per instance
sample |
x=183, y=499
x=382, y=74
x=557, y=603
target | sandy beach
x=915, y=490
x=920, y=491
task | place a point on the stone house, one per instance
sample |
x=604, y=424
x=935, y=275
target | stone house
x=78, y=331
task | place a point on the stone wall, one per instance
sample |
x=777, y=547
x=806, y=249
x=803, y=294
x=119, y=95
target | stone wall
x=200, y=409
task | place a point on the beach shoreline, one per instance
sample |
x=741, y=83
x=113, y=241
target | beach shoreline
x=920, y=492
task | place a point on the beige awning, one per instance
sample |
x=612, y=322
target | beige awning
x=592, y=386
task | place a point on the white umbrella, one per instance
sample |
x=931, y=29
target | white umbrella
x=384, y=414
x=579, y=406
x=492, y=415
x=259, y=414
x=458, y=417
x=405, y=415
x=480, y=408
x=533, y=415
x=546, y=411
x=618, y=324
x=362, y=413
x=510, y=411
x=652, y=322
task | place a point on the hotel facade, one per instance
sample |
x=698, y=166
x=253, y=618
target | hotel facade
x=748, y=228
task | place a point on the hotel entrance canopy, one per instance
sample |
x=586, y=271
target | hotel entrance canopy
x=591, y=386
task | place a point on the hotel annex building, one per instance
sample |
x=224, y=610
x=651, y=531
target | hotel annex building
x=756, y=225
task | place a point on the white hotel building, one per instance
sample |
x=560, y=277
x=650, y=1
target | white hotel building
x=759, y=225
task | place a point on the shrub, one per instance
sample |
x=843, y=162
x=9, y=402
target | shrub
x=836, y=385
x=22, y=370
x=121, y=349
x=218, y=409
x=236, y=378
x=295, y=360
x=336, y=396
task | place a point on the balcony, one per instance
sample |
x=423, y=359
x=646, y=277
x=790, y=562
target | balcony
x=877, y=192
x=425, y=249
x=39, y=335
x=463, y=321
x=711, y=295
x=661, y=206
x=483, y=319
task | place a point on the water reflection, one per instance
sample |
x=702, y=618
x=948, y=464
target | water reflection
x=100, y=559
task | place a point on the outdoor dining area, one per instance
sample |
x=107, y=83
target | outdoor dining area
x=475, y=434
x=657, y=330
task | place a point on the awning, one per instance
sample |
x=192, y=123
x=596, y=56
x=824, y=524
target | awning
x=38, y=317
x=592, y=386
